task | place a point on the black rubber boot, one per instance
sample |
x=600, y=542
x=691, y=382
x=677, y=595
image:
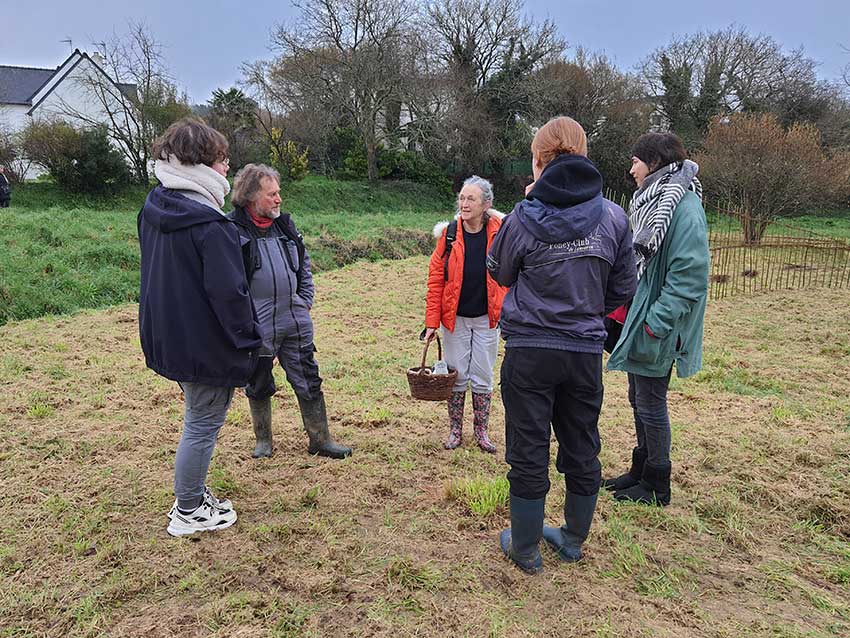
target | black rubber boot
x=569, y=537
x=314, y=414
x=261, y=416
x=653, y=489
x=521, y=541
x=630, y=478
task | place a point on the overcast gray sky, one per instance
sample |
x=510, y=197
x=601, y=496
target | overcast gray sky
x=206, y=41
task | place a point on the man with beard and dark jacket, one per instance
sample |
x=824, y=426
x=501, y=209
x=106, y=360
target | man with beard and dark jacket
x=566, y=254
x=278, y=270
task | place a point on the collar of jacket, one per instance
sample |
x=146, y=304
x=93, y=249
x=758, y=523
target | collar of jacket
x=240, y=217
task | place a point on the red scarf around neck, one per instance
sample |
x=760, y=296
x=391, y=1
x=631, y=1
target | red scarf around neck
x=260, y=222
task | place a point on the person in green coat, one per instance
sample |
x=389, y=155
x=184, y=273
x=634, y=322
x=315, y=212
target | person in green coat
x=664, y=323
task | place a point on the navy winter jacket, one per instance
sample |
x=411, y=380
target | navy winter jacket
x=566, y=254
x=196, y=320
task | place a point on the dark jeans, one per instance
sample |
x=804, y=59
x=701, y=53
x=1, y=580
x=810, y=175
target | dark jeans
x=648, y=398
x=542, y=387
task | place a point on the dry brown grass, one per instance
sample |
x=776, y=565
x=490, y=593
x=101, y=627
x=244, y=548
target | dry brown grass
x=756, y=542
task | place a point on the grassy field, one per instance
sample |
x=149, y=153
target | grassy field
x=401, y=539
x=59, y=254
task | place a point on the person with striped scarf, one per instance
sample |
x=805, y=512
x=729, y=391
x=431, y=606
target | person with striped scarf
x=664, y=323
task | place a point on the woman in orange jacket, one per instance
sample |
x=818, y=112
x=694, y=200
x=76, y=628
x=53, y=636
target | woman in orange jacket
x=465, y=300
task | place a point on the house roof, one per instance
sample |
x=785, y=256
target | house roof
x=18, y=84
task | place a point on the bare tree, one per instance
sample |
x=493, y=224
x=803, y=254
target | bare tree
x=610, y=105
x=845, y=72
x=489, y=52
x=586, y=88
x=134, y=95
x=701, y=75
x=343, y=57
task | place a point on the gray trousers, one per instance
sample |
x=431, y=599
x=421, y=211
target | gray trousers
x=206, y=408
x=471, y=349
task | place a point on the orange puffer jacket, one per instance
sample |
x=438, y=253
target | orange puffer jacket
x=443, y=296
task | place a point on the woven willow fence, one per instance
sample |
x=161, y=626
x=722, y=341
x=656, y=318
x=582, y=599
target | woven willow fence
x=786, y=257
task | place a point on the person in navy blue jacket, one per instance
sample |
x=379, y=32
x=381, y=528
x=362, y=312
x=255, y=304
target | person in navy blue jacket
x=566, y=255
x=196, y=321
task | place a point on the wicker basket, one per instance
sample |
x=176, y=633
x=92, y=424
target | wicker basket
x=426, y=386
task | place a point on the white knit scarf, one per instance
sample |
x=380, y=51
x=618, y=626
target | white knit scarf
x=196, y=178
x=653, y=204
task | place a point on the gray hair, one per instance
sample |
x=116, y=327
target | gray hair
x=248, y=182
x=485, y=186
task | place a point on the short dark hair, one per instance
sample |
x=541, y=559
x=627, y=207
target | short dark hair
x=659, y=149
x=191, y=141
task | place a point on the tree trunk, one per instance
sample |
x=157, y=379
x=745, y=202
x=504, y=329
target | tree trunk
x=372, y=160
x=753, y=228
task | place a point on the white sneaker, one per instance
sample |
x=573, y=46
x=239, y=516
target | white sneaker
x=219, y=503
x=205, y=518
x=209, y=497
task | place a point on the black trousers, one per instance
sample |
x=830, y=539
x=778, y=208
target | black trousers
x=542, y=387
x=648, y=397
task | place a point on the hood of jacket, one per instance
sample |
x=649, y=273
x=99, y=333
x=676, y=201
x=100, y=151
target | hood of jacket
x=566, y=202
x=439, y=227
x=169, y=211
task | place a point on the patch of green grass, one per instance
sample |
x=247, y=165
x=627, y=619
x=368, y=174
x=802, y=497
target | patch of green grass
x=310, y=498
x=660, y=584
x=483, y=496
x=724, y=516
x=60, y=253
x=405, y=573
x=628, y=555
x=12, y=366
x=722, y=371
x=40, y=411
x=221, y=481
x=839, y=575
x=87, y=613
x=290, y=623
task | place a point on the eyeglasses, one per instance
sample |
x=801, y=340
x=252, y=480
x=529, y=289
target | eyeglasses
x=225, y=161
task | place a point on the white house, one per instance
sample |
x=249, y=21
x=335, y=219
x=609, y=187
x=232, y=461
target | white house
x=28, y=93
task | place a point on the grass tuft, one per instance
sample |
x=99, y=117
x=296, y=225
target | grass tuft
x=483, y=496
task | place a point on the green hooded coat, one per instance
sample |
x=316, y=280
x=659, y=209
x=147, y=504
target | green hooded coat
x=671, y=298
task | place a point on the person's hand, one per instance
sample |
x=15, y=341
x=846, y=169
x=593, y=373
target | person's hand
x=429, y=334
x=529, y=187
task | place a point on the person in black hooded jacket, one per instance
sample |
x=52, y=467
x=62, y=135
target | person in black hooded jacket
x=5, y=189
x=197, y=325
x=566, y=254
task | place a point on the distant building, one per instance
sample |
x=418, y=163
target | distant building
x=28, y=93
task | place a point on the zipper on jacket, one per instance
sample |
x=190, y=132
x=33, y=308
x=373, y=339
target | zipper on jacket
x=274, y=296
x=284, y=253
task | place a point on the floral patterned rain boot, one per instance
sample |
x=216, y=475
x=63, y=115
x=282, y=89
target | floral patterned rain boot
x=455, y=402
x=481, y=412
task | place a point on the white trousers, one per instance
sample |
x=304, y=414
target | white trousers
x=471, y=350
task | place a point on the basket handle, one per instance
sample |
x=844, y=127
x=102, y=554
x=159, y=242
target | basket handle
x=425, y=352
